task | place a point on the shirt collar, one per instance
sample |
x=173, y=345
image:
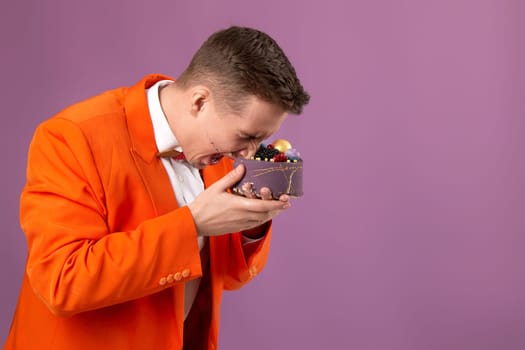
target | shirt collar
x=164, y=137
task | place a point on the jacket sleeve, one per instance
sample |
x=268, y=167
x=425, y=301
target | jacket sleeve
x=75, y=263
x=246, y=261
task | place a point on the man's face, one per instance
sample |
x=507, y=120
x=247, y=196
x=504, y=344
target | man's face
x=233, y=134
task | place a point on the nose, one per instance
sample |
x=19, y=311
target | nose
x=249, y=150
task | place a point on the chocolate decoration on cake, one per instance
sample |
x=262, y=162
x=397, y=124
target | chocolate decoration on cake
x=277, y=166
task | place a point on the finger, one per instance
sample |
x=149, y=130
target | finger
x=261, y=218
x=257, y=206
x=229, y=179
x=248, y=191
x=266, y=194
x=284, y=198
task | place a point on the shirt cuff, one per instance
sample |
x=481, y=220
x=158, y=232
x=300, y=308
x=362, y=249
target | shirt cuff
x=248, y=240
x=259, y=232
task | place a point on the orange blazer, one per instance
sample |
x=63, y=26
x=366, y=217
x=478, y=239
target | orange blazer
x=109, y=250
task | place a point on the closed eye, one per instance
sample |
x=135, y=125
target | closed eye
x=250, y=137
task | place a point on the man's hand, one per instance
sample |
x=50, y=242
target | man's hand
x=216, y=211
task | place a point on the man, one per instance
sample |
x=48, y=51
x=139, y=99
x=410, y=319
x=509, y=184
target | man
x=130, y=247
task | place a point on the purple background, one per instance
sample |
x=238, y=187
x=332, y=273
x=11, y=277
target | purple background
x=411, y=231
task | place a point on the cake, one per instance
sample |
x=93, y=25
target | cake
x=277, y=166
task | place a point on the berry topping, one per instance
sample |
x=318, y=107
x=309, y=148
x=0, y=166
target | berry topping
x=281, y=157
x=273, y=152
x=266, y=152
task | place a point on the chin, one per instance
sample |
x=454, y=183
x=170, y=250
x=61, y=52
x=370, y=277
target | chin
x=202, y=164
x=199, y=165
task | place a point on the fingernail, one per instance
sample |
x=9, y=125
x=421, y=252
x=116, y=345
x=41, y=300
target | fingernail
x=287, y=205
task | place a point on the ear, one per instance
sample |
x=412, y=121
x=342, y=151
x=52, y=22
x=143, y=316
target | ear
x=200, y=99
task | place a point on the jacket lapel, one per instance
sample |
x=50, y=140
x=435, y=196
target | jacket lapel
x=144, y=149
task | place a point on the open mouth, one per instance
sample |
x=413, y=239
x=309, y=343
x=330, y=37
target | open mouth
x=215, y=158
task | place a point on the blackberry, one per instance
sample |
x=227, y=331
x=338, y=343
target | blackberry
x=266, y=152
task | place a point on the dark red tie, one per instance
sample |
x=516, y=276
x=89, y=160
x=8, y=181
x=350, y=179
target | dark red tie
x=172, y=153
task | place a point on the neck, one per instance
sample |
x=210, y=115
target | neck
x=172, y=100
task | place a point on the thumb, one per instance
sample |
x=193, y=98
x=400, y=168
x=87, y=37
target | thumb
x=231, y=178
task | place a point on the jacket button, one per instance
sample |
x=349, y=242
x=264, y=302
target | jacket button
x=170, y=278
x=162, y=281
x=186, y=273
x=177, y=276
